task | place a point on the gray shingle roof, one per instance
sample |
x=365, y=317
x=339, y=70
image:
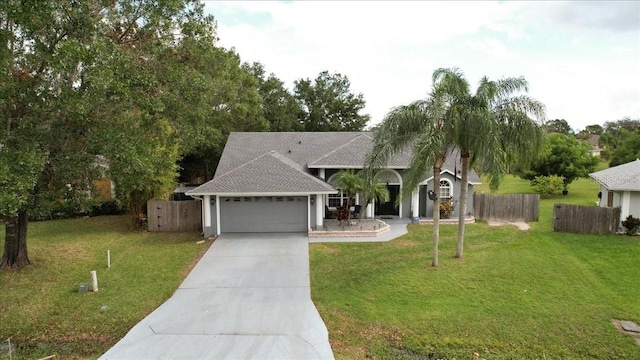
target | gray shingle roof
x=301, y=147
x=270, y=162
x=625, y=177
x=453, y=165
x=353, y=154
x=269, y=173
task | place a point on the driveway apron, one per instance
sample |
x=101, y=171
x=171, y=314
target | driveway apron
x=248, y=297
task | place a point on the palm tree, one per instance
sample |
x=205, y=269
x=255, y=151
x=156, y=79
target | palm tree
x=423, y=126
x=372, y=190
x=351, y=183
x=493, y=125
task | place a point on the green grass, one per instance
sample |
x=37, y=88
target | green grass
x=517, y=294
x=40, y=308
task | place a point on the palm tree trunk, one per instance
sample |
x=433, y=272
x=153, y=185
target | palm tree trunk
x=436, y=210
x=462, y=211
x=15, y=242
x=348, y=207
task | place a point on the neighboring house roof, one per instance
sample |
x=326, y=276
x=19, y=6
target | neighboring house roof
x=279, y=162
x=625, y=177
x=594, y=140
x=453, y=166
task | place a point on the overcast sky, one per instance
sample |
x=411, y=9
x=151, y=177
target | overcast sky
x=581, y=59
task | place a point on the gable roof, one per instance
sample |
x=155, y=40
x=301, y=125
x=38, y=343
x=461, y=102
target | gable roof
x=625, y=177
x=594, y=140
x=299, y=147
x=279, y=162
x=453, y=166
x=284, y=175
x=352, y=155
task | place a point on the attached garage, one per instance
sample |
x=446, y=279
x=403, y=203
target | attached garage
x=263, y=214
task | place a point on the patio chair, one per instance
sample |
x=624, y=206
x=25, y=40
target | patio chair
x=355, y=214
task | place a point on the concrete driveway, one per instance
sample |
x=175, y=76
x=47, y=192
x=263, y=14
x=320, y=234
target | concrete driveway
x=249, y=297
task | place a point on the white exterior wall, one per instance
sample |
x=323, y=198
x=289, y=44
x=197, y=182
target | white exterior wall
x=625, y=204
x=634, y=208
x=602, y=202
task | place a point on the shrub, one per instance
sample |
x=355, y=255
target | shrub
x=446, y=209
x=548, y=185
x=631, y=224
x=68, y=210
x=111, y=207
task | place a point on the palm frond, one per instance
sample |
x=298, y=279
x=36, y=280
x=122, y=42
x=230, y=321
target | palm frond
x=523, y=104
x=508, y=86
x=426, y=150
x=400, y=127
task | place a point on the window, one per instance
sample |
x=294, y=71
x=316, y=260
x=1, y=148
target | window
x=337, y=199
x=446, y=191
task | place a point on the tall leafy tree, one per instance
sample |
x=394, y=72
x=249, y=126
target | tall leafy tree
x=560, y=126
x=594, y=129
x=626, y=123
x=139, y=82
x=493, y=125
x=425, y=127
x=562, y=155
x=611, y=135
x=280, y=107
x=329, y=105
x=172, y=86
x=45, y=131
x=223, y=96
x=628, y=148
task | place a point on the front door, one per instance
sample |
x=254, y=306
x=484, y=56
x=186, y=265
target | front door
x=389, y=207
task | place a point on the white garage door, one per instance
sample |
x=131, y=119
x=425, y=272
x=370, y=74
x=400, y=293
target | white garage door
x=263, y=214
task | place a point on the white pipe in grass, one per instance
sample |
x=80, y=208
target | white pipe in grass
x=109, y=259
x=94, y=280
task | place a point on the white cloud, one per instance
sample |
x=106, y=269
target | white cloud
x=492, y=47
x=586, y=71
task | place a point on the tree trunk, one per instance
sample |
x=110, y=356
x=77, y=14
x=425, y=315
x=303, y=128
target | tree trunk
x=436, y=210
x=138, y=209
x=15, y=242
x=462, y=210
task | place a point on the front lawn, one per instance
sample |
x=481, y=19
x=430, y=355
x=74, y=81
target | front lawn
x=40, y=308
x=517, y=294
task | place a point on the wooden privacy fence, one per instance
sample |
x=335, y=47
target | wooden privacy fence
x=517, y=207
x=585, y=219
x=174, y=215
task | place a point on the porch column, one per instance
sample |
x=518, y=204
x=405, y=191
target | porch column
x=321, y=174
x=217, y=199
x=357, y=198
x=370, y=211
x=319, y=211
x=206, y=203
x=415, y=203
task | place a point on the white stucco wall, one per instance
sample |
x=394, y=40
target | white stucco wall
x=634, y=208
